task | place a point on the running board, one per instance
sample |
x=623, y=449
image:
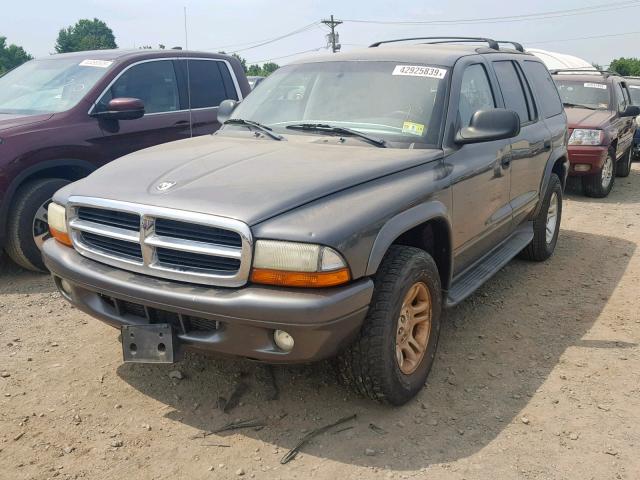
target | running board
x=469, y=281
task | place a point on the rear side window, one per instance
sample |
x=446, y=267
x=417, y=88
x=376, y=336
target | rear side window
x=152, y=82
x=546, y=90
x=207, y=83
x=621, y=99
x=475, y=93
x=513, y=90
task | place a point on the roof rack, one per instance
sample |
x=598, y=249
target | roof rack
x=516, y=45
x=604, y=73
x=492, y=43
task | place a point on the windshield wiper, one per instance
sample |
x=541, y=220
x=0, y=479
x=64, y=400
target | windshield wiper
x=567, y=104
x=258, y=126
x=322, y=127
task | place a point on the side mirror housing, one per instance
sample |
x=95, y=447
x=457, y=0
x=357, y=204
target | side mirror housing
x=488, y=125
x=631, y=111
x=225, y=110
x=122, y=108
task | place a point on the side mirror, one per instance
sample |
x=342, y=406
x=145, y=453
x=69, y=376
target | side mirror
x=225, y=110
x=488, y=125
x=122, y=109
x=631, y=111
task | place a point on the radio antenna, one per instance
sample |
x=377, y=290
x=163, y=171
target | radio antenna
x=186, y=47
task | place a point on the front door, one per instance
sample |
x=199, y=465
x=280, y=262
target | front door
x=165, y=119
x=481, y=176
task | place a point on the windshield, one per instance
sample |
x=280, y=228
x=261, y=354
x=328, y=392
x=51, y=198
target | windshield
x=48, y=85
x=634, y=92
x=592, y=94
x=399, y=103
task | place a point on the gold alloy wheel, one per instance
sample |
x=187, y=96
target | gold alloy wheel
x=414, y=328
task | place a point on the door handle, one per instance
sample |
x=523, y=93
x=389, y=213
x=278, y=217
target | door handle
x=547, y=145
x=181, y=122
x=506, y=161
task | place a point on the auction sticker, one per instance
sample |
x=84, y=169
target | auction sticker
x=413, y=128
x=601, y=86
x=420, y=71
x=96, y=63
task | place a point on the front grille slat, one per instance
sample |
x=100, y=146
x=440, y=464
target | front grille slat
x=162, y=242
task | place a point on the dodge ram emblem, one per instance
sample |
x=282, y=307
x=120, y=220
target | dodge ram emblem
x=161, y=187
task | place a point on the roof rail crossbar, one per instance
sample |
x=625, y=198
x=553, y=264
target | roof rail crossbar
x=516, y=45
x=492, y=43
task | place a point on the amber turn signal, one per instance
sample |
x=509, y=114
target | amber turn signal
x=300, y=279
x=61, y=237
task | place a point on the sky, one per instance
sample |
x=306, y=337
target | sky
x=241, y=24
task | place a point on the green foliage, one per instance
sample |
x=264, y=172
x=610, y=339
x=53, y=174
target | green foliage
x=626, y=66
x=11, y=56
x=255, y=70
x=85, y=35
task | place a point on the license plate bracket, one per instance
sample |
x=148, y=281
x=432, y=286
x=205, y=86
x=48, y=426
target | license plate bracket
x=152, y=343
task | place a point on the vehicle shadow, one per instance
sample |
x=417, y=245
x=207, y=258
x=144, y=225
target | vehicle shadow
x=14, y=279
x=496, y=350
x=624, y=189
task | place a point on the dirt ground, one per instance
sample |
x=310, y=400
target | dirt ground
x=537, y=377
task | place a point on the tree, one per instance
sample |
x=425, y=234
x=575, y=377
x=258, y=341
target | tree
x=11, y=56
x=85, y=35
x=255, y=70
x=626, y=66
x=268, y=68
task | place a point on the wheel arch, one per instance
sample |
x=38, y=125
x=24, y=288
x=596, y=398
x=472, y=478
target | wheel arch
x=557, y=163
x=69, y=169
x=426, y=226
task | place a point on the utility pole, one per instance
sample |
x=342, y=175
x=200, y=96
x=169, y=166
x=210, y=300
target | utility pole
x=333, y=38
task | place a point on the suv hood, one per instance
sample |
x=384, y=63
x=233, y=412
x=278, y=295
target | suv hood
x=11, y=120
x=585, y=118
x=247, y=178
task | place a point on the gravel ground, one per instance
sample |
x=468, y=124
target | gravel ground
x=537, y=376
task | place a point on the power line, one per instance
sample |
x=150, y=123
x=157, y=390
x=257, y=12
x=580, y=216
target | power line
x=285, y=56
x=583, y=38
x=259, y=43
x=512, y=18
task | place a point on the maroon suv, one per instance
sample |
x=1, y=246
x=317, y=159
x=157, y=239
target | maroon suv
x=63, y=116
x=601, y=127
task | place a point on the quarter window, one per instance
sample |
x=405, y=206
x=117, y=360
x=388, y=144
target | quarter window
x=207, y=80
x=475, y=93
x=512, y=90
x=152, y=82
x=546, y=90
x=620, y=100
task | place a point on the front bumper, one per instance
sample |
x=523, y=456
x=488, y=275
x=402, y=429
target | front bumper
x=238, y=322
x=592, y=156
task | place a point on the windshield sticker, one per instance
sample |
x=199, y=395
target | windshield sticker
x=413, y=128
x=596, y=85
x=96, y=63
x=420, y=71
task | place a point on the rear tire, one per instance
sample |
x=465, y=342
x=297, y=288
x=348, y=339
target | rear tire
x=382, y=363
x=546, y=225
x=623, y=167
x=600, y=184
x=23, y=226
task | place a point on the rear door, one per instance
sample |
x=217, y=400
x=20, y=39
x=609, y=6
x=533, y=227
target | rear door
x=480, y=172
x=155, y=83
x=625, y=125
x=211, y=81
x=530, y=150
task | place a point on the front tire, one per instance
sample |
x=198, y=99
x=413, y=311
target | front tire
x=27, y=227
x=546, y=225
x=623, y=167
x=600, y=184
x=391, y=359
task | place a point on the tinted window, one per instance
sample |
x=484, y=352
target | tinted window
x=475, y=93
x=207, y=85
x=620, y=100
x=512, y=91
x=546, y=90
x=152, y=82
x=634, y=92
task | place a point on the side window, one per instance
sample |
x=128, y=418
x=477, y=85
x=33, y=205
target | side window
x=512, y=90
x=207, y=83
x=546, y=90
x=475, y=93
x=152, y=82
x=620, y=100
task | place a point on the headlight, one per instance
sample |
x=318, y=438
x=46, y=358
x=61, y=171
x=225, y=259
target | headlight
x=586, y=137
x=298, y=265
x=57, y=218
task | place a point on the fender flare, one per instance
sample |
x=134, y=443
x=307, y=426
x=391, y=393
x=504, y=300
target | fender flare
x=403, y=222
x=28, y=172
x=553, y=158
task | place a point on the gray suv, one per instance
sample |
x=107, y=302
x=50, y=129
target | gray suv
x=342, y=206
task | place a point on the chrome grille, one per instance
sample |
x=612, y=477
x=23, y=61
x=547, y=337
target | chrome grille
x=161, y=242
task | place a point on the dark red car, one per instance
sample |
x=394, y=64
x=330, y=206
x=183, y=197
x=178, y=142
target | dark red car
x=601, y=127
x=63, y=116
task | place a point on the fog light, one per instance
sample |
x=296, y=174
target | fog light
x=582, y=167
x=283, y=340
x=65, y=286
